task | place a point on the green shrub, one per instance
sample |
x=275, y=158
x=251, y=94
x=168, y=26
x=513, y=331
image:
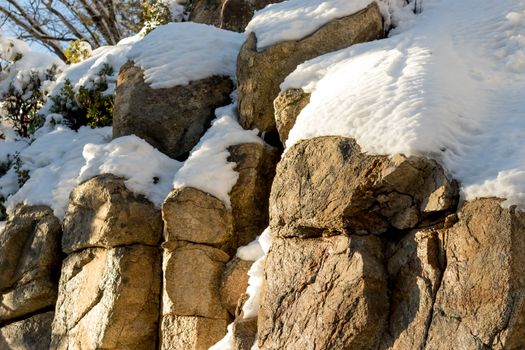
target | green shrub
x=87, y=106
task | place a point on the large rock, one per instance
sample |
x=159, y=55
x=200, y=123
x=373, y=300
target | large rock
x=415, y=267
x=190, y=332
x=171, y=119
x=287, y=106
x=33, y=333
x=481, y=302
x=192, y=275
x=195, y=216
x=232, y=15
x=30, y=259
x=324, y=293
x=249, y=197
x=260, y=73
x=109, y=299
x=102, y=212
x=326, y=186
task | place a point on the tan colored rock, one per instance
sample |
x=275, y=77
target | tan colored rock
x=232, y=15
x=30, y=259
x=287, y=106
x=244, y=333
x=192, y=275
x=324, y=293
x=415, y=269
x=195, y=216
x=481, y=301
x=326, y=185
x=249, y=196
x=33, y=333
x=260, y=73
x=234, y=282
x=190, y=332
x=102, y=212
x=109, y=299
x=172, y=119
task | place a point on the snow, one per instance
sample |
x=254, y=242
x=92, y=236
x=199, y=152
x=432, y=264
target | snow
x=207, y=168
x=448, y=85
x=147, y=170
x=177, y=53
x=296, y=19
x=54, y=160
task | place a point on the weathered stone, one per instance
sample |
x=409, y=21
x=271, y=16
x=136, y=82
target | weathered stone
x=109, y=299
x=102, y=212
x=30, y=261
x=234, y=282
x=324, y=293
x=415, y=269
x=171, y=119
x=192, y=275
x=260, y=73
x=326, y=186
x=232, y=15
x=249, y=196
x=32, y=333
x=481, y=301
x=287, y=106
x=190, y=332
x=244, y=333
x=195, y=216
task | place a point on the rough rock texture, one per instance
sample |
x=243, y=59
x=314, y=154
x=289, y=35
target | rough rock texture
x=195, y=216
x=415, y=267
x=234, y=282
x=244, y=333
x=232, y=15
x=32, y=333
x=249, y=196
x=481, y=302
x=102, y=212
x=30, y=261
x=326, y=186
x=260, y=73
x=325, y=293
x=108, y=299
x=190, y=332
x=171, y=119
x=287, y=106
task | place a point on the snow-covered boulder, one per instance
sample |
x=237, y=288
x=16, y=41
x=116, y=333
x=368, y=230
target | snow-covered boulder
x=263, y=64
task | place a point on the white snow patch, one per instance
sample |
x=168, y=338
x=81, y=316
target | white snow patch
x=207, y=168
x=147, y=170
x=177, y=53
x=451, y=87
x=54, y=161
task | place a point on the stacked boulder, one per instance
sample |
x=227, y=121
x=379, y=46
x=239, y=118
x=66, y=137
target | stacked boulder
x=109, y=292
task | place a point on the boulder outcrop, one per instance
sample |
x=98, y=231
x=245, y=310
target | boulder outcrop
x=171, y=119
x=33, y=333
x=287, y=106
x=261, y=72
x=30, y=262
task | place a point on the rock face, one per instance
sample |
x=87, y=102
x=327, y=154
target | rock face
x=234, y=282
x=374, y=193
x=109, y=293
x=260, y=73
x=102, y=212
x=324, y=294
x=171, y=119
x=29, y=262
x=32, y=333
x=232, y=15
x=481, y=301
x=287, y=106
